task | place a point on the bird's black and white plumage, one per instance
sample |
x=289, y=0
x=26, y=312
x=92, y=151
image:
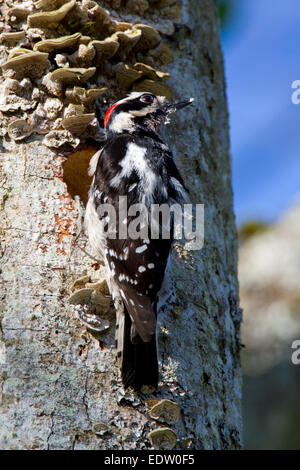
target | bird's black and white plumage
x=137, y=163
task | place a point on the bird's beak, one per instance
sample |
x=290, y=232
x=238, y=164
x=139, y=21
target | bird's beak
x=169, y=108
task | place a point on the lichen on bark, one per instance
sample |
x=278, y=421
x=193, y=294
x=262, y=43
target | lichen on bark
x=59, y=382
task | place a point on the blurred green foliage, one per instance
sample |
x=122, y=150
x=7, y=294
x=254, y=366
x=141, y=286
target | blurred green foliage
x=226, y=8
x=250, y=228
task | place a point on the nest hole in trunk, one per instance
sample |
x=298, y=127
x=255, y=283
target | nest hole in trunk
x=75, y=172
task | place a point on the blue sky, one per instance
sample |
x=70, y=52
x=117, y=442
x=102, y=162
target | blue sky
x=262, y=58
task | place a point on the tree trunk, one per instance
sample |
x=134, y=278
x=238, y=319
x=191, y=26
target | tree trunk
x=60, y=387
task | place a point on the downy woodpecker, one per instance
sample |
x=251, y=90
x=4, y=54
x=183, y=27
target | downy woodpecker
x=135, y=162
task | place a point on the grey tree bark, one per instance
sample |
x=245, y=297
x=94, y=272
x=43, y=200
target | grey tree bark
x=60, y=388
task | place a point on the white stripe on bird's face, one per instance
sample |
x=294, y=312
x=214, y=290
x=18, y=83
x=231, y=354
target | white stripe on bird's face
x=122, y=122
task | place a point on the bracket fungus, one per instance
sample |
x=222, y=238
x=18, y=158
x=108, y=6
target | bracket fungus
x=59, y=138
x=25, y=64
x=150, y=38
x=64, y=42
x=19, y=129
x=150, y=72
x=12, y=37
x=50, y=108
x=57, y=80
x=50, y=19
x=163, y=438
x=17, y=51
x=14, y=96
x=77, y=124
x=81, y=95
x=85, y=40
x=100, y=20
x=127, y=40
x=126, y=75
x=100, y=428
x=18, y=13
x=165, y=410
x=120, y=26
x=92, y=304
x=84, y=56
x=81, y=296
x=100, y=286
x=73, y=110
x=83, y=287
x=105, y=49
x=80, y=283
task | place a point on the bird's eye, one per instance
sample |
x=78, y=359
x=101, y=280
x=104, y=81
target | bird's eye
x=147, y=99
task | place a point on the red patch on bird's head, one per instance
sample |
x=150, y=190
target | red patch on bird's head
x=108, y=114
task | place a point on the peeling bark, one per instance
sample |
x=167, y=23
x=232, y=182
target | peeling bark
x=58, y=380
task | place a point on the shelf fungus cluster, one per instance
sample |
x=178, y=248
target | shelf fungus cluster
x=91, y=303
x=165, y=411
x=74, y=53
x=167, y=9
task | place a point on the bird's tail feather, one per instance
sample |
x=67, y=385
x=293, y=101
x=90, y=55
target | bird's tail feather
x=137, y=359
